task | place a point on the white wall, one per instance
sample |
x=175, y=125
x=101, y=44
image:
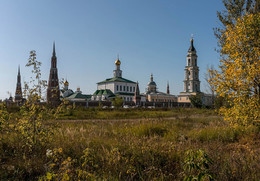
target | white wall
x=109, y=85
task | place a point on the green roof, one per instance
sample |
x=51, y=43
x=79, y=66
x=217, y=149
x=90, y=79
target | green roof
x=96, y=92
x=116, y=79
x=103, y=92
x=79, y=96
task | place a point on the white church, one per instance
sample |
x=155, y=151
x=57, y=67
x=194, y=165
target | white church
x=117, y=85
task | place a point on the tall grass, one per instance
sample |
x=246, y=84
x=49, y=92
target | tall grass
x=146, y=148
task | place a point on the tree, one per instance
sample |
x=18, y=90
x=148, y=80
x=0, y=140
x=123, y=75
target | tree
x=238, y=80
x=32, y=130
x=196, y=100
x=117, y=102
x=37, y=84
x=234, y=9
x=208, y=76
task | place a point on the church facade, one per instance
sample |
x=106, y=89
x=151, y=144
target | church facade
x=153, y=95
x=115, y=86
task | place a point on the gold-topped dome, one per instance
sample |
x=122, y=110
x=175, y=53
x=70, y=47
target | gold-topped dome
x=117, y=62
x=66, y=83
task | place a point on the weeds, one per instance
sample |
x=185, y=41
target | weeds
x=141, y=149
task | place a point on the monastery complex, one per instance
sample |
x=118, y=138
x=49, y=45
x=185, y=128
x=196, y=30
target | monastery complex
x=128, y=90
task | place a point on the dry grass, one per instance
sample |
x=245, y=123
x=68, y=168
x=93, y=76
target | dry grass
x=141, y=149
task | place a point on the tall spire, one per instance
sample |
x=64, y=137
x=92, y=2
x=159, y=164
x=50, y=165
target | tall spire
x=19, y=76
x=53, y=52
x=18, y=91
x=53, y=91
x=151, y=77
x=168, y=88
x=137, y=97
x=137, y=91
x=19, y=69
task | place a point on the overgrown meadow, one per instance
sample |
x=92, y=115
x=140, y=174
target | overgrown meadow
x=126, y=144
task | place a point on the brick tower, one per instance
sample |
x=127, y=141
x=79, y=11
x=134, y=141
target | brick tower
x=18, y=93
x=53, y=91
x=137, y=97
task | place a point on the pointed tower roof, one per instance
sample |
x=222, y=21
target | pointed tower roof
x=192, y=48
x=168, y=88
x=137, y=91
x=53, y=52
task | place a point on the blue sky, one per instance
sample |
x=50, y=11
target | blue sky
x=150, y=36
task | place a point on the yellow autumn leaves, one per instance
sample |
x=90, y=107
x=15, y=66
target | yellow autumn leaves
x=239, y=77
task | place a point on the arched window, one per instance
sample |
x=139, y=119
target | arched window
x=188, y=87
x=195, y=62
x=188, y=62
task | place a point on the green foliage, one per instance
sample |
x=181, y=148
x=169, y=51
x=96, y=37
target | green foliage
x=224, y=134
x=118, y=102
x=26, y=132
x=196, y=166
x=149, y=130
x=234, y=9
x=30, y=126
x=196, y=100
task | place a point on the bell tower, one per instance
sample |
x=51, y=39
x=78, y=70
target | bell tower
x=191, y=81
x=53, y=91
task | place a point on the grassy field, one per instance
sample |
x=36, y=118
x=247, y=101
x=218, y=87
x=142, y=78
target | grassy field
x=135, y=145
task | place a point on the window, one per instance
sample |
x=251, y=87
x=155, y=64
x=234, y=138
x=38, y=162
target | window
x=130, y=89
x=117, y=88
x=124, y=88
x=131, y=99
x=133, y=89
x=187, y=98
x=127, y=88
x=195, y=62
x=188, y=87
x=120, y=88
x=188, y=62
